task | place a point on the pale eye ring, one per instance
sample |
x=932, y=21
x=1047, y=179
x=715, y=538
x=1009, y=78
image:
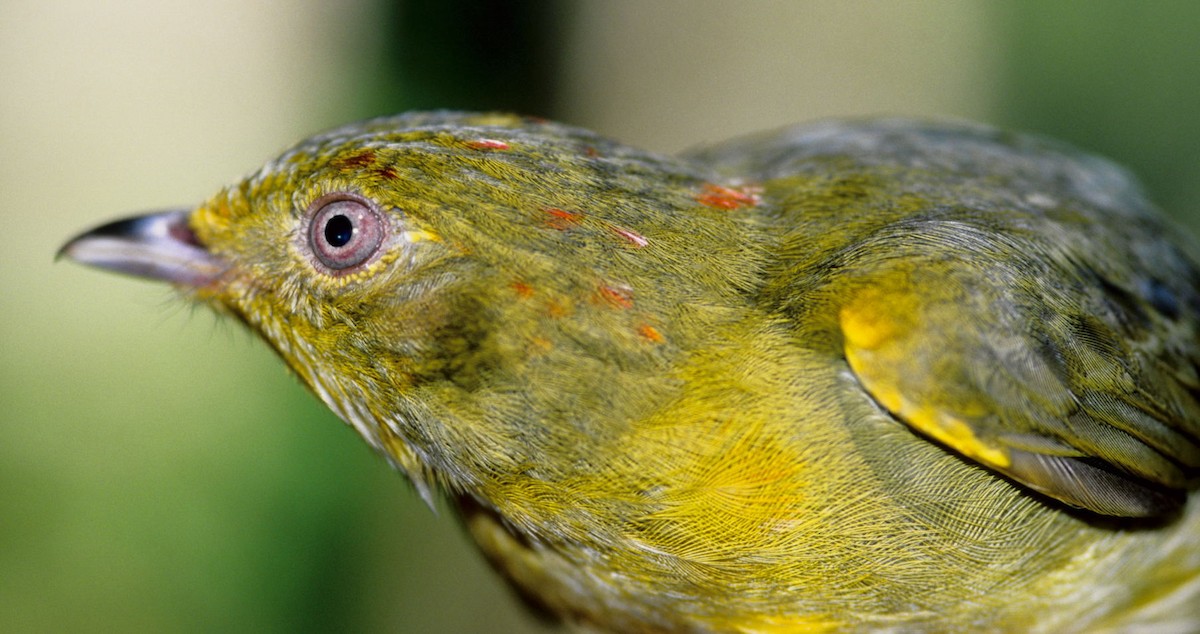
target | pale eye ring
x=345, y=231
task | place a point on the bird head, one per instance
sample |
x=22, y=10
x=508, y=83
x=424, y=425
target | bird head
x=410, y=268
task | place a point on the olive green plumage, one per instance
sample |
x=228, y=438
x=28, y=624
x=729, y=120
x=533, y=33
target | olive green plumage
x=847, y=376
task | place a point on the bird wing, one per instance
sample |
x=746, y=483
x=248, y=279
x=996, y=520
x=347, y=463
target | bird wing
x=1021, y=357
x=1009, y=297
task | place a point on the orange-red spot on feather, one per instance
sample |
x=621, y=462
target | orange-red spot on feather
x=487, y=144
x=721, y=197
x=634, y=238
x=387, y=172
x=557, y=310
x=522, y=289
x=362, y=159
x=621, y=297
x=650, y=333
x=561, y=219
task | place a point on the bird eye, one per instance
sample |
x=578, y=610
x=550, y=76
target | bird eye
x=345, y=231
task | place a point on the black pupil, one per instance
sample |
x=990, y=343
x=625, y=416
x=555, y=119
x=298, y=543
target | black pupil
x=338, y=231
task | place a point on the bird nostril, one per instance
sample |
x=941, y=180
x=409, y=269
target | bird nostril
x=181, y=232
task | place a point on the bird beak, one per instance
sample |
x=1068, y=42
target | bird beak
x=157, y=246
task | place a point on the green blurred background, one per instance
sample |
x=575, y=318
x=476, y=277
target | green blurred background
x=160, y=471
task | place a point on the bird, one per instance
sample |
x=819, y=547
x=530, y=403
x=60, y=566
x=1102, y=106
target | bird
x=855, y=375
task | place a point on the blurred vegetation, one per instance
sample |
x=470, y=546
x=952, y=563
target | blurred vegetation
x=471, y=55
x=1116, y=78
x=159, y=473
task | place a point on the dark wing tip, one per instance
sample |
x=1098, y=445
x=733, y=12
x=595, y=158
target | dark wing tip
x=1094, y=485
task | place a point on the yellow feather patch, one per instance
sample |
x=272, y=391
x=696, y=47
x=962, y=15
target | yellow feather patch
x=875, y=326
